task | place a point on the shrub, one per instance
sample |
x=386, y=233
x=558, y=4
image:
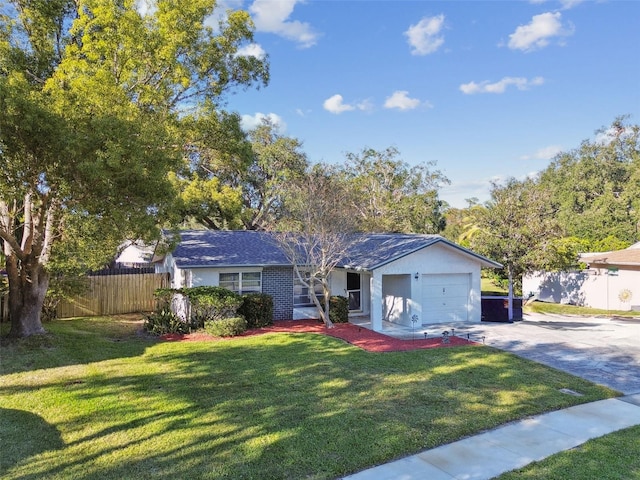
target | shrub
x=257, y=309
x=226, y=327
x=163, y=297
x=211, y=303
x=339, y=309
x=165, y=321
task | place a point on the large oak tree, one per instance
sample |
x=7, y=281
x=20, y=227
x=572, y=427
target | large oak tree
x=234, y=179
x=93, y=95
x=389, y=195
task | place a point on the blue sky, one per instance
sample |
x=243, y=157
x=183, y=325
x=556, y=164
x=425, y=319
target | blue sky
x=487, y=90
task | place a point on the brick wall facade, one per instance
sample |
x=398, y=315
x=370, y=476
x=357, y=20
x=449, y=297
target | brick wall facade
x=278, y=282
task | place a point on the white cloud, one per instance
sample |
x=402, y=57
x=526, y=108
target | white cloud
x=400, y=99
x=249, y=122
x=424, y=37
x=252, y=50
x=545, y=153
x=500, y=86
x=539, y=32
x=335, y=105
x=272, y=16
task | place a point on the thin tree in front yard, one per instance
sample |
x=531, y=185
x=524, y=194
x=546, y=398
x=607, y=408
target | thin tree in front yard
x=516, y=227
x=317, y=232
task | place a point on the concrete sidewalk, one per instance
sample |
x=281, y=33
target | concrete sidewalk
x=512, y=446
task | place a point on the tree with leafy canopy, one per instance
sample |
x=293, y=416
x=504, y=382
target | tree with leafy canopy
x=277, y=162
x=209, y=181
x=93, y=95
x=596, y=186
x=459, y=222
x=594, y=192
x=235, y=180
x=391, y=196
x=515, y=227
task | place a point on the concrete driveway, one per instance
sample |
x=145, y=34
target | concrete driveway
x=603, y=350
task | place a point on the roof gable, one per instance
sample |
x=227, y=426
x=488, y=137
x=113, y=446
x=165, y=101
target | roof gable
x=374, y=250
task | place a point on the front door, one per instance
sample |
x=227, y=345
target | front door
x=354, y=291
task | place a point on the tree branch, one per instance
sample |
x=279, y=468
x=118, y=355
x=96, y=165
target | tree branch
x=11, y=245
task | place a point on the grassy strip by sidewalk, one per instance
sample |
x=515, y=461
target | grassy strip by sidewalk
x=559, y=309
x=97, y=400
x=613, y=457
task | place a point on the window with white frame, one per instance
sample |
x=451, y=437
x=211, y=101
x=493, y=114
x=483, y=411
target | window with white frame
x=242, y=282
x=302, y=294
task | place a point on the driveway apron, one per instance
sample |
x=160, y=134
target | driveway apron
x=600, y=349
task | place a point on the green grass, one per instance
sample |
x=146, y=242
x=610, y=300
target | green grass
x=489, y=287
x=612, y=457
x=543, y=307
x=97, y=400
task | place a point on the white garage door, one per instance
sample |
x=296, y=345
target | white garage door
x=445, y=298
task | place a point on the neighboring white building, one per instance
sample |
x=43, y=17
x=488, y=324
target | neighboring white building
x=610, y=282
x=135, y=255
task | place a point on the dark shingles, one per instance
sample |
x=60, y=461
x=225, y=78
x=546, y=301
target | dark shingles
x=369, y=251
x=209, y=248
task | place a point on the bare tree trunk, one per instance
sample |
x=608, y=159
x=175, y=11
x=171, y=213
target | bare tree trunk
x=28, y=285
x=27, y=231
x=327, y=302
x=324, y=312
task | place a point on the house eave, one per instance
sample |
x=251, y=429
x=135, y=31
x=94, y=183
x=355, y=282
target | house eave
x=613, y=265
x=232, y=265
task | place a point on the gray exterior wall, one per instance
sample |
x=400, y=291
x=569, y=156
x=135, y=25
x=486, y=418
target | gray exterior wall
x=278, y=282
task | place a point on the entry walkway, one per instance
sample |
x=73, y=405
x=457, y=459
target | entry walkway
x=512, y=446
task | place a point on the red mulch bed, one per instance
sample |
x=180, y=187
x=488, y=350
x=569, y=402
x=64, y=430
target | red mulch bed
x=359, y=336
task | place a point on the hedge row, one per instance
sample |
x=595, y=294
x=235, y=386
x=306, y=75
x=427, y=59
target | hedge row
x=222, y=312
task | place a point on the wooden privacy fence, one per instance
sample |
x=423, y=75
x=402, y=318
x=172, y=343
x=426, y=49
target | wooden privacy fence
x=114, y=294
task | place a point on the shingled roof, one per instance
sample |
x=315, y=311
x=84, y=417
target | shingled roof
x=373, y=250
x=626, y=257
x=237, y=248
x=242, y=248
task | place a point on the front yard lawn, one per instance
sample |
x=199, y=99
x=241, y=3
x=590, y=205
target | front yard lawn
x=97, y=400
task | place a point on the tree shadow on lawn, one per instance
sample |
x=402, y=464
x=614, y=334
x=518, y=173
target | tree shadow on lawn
x=75, y=342
x=293, y=406
x=25, y=434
